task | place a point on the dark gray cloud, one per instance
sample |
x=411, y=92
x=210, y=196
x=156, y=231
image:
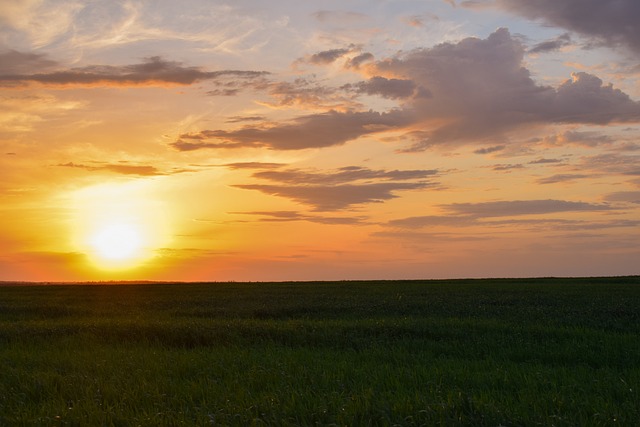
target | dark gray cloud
x=613, y=23
x=311, y=131
x=152, y=71
x=552, y=45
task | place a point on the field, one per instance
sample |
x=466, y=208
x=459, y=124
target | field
x=559, y=352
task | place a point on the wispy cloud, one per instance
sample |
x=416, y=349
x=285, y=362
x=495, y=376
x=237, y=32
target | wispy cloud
x=153, y=71
x=311, y=131
x=291, y=216
x=342, y=188
x=563, y=177
x=521, y=207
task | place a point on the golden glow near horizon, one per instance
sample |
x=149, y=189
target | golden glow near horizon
x=117, y=225
x=218, y=140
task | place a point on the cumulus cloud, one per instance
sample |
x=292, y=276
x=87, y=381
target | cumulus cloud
x=613, y=23
x=474, y=91
x=153, y=71
x=479, y=88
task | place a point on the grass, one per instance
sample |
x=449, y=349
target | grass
x=560, y=352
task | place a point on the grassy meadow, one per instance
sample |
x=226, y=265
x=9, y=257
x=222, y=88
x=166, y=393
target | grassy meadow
x=521, y=352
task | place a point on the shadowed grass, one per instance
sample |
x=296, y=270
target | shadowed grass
x=489, y=352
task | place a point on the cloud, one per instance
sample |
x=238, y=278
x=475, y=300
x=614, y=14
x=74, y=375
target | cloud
x=474, y=91
x=330, y=198
x=489, y=150
x=239, y=119
x=507, y=167
x=358, y=60
x=552, y=45
x=153, y=71
x=311, y=131
x=254, y=165
x=289, y=216
x=521, y=207
x=343, y=175
x=612, y=23
x=14, y=62
x=338, y=16
x=306, y=93
x=570, y=177
x=387, y=88
x=612, y=163
x=543, y=161
x=580, y=138
x=481, y=89
x=341, y=189
x=624, y=196
x=141, y=170
x=328, y=56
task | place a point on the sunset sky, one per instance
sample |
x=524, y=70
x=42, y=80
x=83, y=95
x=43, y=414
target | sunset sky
x=318, y=140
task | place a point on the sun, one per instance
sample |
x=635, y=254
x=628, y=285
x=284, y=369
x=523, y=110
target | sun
x=120, y=227
x=117, y=242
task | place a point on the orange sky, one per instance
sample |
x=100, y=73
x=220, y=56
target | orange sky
x=242, y=140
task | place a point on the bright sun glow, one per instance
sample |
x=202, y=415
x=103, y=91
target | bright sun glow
x=119, y=226
x=117, y=242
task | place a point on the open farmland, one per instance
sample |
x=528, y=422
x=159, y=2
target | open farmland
x=557, y=352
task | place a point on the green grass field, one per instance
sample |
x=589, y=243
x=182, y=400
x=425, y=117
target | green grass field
x=522, y=352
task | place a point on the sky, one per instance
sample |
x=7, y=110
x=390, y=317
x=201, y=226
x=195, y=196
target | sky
x=207, y=140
